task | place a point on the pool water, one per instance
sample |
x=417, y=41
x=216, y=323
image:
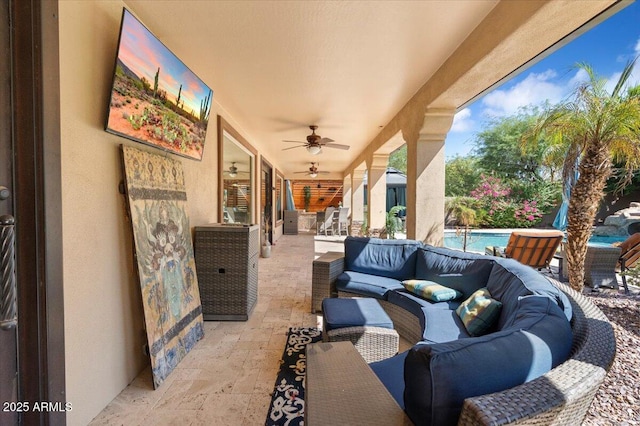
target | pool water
x=477, y=241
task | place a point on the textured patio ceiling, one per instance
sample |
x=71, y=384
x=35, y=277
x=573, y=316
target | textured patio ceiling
x=278, y=66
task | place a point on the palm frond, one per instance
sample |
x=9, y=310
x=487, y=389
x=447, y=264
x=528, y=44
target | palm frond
x=622, y=81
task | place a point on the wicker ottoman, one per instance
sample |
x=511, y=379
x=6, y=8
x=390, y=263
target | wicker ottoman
x=363, y=322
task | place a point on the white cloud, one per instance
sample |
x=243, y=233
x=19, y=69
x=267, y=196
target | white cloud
x=535, y=89
x=637, y=49
x=580, y=77
x=462, y=121
x=612, y=80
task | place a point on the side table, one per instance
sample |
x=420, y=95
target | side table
x=325, y=270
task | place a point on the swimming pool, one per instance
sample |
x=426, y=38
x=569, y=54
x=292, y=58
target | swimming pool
x=477, y=241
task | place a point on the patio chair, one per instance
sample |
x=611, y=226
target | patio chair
x=629, y=256
x=343, y=220
x=600, y=265
x=533, y=248
x=327, y=224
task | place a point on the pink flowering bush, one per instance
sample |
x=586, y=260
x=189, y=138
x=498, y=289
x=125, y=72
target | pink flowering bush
x=490, y=188
x=529, y=214
x=502, y=210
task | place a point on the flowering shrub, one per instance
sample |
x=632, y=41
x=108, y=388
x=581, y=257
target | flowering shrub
x=490, y=188
x=503, y=211
x=529, y=213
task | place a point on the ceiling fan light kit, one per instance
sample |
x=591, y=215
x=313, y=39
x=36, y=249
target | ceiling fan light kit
x=314, y=149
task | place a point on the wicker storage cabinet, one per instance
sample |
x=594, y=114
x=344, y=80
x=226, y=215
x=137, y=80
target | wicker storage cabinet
x=227, y=267
x=290, y=222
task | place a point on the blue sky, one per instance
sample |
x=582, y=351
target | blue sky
x=606, y=47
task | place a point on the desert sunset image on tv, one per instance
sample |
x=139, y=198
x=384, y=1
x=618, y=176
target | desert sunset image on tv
x=155, y=98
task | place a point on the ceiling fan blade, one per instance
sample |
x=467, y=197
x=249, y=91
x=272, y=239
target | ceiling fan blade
x=294, y=141
x=337, y=145
x=299, y=146
x=322, y=141
x=301, y=172
x=324, y=172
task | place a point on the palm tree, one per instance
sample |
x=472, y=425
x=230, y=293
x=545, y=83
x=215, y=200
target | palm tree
x=596, y=128
x=464, y=215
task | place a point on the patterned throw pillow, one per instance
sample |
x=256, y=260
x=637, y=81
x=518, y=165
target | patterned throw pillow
x=431, y=291
x=479, y=312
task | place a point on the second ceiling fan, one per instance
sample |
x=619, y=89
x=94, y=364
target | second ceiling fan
x=313, y=170
x=315, y=143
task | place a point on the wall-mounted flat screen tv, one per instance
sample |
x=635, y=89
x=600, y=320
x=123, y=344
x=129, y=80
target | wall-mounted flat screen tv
x=155, y=98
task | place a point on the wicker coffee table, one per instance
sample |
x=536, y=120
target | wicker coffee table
x=341, y=389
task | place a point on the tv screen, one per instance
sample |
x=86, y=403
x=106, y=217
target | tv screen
x=155, y=98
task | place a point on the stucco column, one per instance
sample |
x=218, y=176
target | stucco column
x=346, y=191
x=425, y=178
x=357, y=201
x=377, y=192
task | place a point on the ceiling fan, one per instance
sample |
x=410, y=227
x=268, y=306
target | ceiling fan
x=315, y=143
x=313, y=170
x=233, y=170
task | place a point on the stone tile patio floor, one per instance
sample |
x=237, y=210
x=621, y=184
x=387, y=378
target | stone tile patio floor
x=228, y=378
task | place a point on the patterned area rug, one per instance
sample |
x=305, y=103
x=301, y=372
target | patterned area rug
x=287, y=403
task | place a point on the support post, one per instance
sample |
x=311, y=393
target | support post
x=346, y=191
x=357, y=201
x=377, y=194
x=425, y=178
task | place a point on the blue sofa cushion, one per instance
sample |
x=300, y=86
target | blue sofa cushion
x=431, y=291
x=366, y=284
x=341, y=313
x=465, y=272
x=386, y=258
x=510, y=280
x=390, y=371
x=443, y=325
x=410, y=302
x=414, y=304
x=439, y=377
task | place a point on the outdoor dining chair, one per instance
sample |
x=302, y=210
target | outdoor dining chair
x=342, y=221
x=327, y=224
x=533, y=248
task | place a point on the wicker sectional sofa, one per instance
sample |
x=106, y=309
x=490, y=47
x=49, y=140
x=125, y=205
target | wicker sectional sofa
x=540, y=364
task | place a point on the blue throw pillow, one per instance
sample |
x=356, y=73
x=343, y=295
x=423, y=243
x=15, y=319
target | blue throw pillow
x=431, y=291
x=479, y=312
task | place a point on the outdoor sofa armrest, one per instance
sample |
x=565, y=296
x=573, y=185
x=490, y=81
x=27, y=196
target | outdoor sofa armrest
x=325, y=271
x=563, y=395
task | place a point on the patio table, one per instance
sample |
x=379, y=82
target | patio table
x=341, y=389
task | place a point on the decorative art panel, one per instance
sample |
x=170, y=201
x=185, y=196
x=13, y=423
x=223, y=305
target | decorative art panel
x=157, y=202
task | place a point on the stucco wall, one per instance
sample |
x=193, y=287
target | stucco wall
x=104, y=332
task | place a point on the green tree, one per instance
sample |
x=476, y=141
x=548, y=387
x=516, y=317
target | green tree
x=398, y=159
x=499, y=148
x=461, y=176
x=595, y=128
